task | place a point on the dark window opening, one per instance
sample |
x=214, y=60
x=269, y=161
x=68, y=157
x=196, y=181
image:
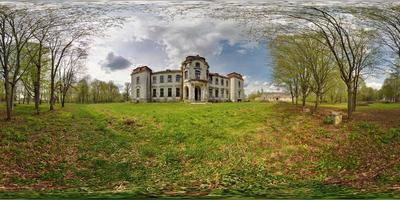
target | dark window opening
x=169, y=92
x=169, y=78
x=161, y=92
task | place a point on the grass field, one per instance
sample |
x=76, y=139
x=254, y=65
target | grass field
x=177, y=149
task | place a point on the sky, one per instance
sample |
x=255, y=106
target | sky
x=160, y=34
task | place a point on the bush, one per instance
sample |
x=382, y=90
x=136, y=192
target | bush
x=329, y=119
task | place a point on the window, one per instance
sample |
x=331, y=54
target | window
x=210, y=79
x=154, y=92
x=186, y=74
x=210, y=92
x=178, y=92
x=216, y=81
x=169, y=92
x=226, y=83
x=239, y=94
x=222, y=82
x=137, y=93
x=161, y=92
x=222, y=93
x=177, y=78
x=239, y=83
x=154, y=79
x=137, y=80
x=227, y=94
x=161, y=79
x=216, y=93
x=197, y=74
x=197, y=65
x=169, y=78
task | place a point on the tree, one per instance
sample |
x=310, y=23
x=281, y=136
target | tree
x=391, y=88
x=319, y=63
x=40, y=52
x=127, y=89
x=82, y=90
x=292, y=63
x=344, y=42
x=68, y=71
x=60, y=41
x=16, y=29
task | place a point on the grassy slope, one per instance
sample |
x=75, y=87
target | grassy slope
x=171, y=149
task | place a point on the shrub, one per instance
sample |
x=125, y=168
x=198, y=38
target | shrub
x=329, y=119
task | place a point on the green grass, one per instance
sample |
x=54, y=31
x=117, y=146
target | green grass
x=169, y=149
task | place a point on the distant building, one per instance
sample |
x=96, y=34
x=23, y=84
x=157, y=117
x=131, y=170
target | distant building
x=192, y=83
x=274, y=97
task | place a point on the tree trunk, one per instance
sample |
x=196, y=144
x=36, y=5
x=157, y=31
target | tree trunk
x=37, y=91
x=52, y=99
x=303, y=100
x=317, y=100
x=349, y=101
x=354, y=99
x=8, y=99
x=63, y=100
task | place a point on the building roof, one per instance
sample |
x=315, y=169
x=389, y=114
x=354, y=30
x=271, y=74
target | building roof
x=140, y=69
x=235, y=75
x=216, y=74
x=168, y=71
x=189, y=59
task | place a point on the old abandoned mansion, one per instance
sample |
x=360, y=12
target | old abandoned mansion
x=199, y=85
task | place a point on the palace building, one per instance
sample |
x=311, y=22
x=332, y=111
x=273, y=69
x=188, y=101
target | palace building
x=192, y=83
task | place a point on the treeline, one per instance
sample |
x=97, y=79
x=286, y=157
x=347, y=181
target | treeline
x=96, y=91
x=43, y=52
x=328, y=56
x=84, y=90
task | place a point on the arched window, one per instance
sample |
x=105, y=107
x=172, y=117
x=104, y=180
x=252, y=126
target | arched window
x=197, y=65
x=197, y=74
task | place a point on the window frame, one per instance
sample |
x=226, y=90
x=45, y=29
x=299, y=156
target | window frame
x=161, y=92
x=169, y=78
x=169, y=92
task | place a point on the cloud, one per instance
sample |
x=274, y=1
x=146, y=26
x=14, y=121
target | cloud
x=114, y=63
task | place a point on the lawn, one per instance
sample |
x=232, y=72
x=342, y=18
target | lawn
x=177, y=149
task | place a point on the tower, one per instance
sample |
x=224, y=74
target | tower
x=195, y=79
x=236, y=87
x=141, y=84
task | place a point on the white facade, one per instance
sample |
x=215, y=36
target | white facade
x=192, y=83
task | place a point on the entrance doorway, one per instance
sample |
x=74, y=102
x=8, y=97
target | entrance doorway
x=197, y=94
x=186, y=93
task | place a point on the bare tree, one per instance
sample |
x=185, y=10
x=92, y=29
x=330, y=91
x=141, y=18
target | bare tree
x=127, y=89
x=68, y=71
x=342, y=41
x=16, y=29
x=39, y=51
